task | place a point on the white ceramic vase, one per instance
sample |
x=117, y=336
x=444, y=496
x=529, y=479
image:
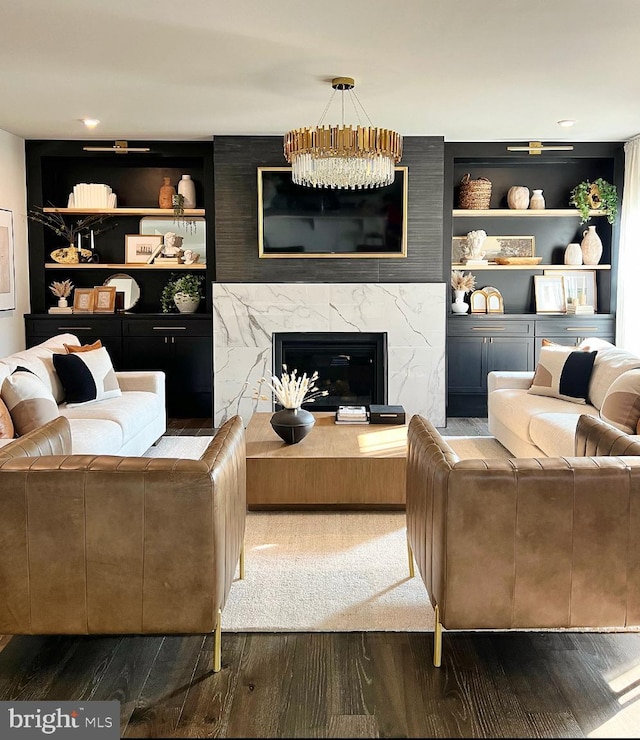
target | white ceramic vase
x=573, y=254
x=185, y=303
x=537, y=201
x=591, y=246
x=187, y=188
x=459, y=305
x=63, y=303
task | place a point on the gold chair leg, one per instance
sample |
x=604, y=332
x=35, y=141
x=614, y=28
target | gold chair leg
x=217, y=644
x=410, y=554
x=437, y=639
x=242, y=562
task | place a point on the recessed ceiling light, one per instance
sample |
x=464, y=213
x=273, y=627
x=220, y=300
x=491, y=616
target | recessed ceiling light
x=566, y=122
x=90, y=122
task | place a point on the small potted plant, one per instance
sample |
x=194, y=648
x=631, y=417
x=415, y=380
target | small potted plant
x=589, y=196
x=182, y=293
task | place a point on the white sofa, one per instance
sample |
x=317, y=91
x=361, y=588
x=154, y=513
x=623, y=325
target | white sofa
x=531, y=425
x=125, y=425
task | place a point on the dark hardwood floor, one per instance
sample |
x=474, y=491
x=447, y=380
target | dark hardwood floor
x=354, y=685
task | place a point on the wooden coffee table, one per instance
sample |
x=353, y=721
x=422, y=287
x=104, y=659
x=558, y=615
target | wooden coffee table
x=355, y=466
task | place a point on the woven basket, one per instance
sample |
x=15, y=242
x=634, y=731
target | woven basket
x=474, y=194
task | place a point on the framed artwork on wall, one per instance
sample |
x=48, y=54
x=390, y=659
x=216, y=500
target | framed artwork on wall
x=7, y=266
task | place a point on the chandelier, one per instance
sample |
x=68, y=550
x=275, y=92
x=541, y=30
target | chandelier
x=343, y=156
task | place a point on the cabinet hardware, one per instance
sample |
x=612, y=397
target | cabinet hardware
x=488, y=328
x=581, y=328
x=75, y=328
x=169, y=328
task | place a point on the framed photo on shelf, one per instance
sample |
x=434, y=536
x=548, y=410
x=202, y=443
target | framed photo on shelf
x=549, y=294
x=83, y=300
x=138, y=248
x=7, y=270
x=578, y=283
x=104, y=299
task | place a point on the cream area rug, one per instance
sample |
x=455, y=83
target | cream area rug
x=323, y=571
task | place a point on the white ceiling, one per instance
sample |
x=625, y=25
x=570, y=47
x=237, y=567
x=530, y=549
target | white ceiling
x=468, y=70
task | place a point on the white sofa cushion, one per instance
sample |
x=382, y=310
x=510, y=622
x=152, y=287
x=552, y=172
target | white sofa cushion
x=515, y=408
x=563, y=372
x=87, y=377
x=621, y=405
x=132, y=411
x=555, y=433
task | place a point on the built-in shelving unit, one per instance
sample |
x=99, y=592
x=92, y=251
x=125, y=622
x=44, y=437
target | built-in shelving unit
x=480, y=343
x=143, y=338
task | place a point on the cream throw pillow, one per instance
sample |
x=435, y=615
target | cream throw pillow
x=563, y=372
x=29, y=401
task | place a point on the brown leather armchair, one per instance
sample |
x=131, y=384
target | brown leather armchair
x=526, y=543
x=107, y=544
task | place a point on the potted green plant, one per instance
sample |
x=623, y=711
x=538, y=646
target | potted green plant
x=596, y=195
x=182, y=293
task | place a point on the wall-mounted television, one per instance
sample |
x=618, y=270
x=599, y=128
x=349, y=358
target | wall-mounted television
x=300, y=221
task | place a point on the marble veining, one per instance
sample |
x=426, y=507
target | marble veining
x=246, y=315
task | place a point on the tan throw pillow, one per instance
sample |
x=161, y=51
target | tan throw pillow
x=6, y=424
x=621, y=405
x=82, y=347
x=563, y=372
x=29, y=401
x=609, y=365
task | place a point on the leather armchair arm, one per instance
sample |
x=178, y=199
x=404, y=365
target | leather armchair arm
x=595, y=437
x=52, y=438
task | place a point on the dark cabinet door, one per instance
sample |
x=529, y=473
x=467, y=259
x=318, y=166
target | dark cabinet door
x=509, y=353
x=466, y=364
x=183, y=349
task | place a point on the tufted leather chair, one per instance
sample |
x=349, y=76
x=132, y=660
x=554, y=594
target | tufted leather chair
x=526, y=543
x=106, y=544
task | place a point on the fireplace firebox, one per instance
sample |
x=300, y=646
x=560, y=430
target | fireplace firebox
x=351, y=366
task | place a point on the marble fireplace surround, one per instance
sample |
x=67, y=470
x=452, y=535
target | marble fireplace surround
x=246, y=315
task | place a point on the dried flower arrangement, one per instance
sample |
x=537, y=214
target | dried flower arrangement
x=463, y=281
x=61, y=289
x=292, y=390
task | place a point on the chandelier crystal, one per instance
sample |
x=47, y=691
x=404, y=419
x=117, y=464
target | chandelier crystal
x=343, y=156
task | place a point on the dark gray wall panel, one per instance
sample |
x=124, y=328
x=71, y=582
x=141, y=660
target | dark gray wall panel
x=236, y=159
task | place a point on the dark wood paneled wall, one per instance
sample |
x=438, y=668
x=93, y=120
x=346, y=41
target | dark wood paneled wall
x=236, y=159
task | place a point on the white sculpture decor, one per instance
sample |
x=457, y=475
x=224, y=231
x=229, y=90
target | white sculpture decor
x=473, y=252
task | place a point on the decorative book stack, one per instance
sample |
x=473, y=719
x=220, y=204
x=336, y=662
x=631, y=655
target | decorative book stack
x=352, y=415
x=579, y=309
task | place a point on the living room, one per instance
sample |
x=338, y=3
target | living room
x=211, y=90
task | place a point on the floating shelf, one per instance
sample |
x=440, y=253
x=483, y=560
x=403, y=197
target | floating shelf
x=513, y=212
x=116, y=266
x=126, y=211
x=494, y=266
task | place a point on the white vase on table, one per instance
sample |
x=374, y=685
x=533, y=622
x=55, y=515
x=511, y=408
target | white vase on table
x=459, y=305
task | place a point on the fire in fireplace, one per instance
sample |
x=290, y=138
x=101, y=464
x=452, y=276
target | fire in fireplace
x=351, y=366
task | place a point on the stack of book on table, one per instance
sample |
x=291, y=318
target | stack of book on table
x=579, y=309
x=352, y=415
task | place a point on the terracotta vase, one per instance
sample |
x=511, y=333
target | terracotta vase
x=167, y=191
x=573, y=254
x=591, y=246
